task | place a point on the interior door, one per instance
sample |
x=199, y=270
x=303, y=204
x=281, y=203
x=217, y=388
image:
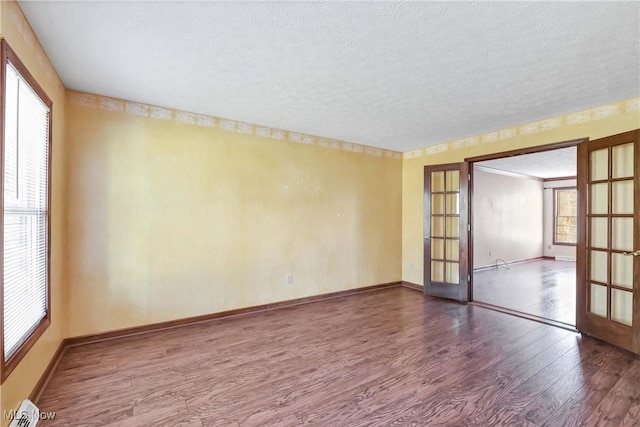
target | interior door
x=608, y=251
x=446, y=231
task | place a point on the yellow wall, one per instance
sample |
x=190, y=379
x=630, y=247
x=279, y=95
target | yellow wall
x=15, y=29
x=594, y=123
x=173, y=215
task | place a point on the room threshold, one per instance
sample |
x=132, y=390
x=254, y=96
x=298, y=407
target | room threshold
x=557, y=324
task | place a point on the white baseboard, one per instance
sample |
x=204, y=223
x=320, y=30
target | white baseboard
x=565, y=258
x=519, y=261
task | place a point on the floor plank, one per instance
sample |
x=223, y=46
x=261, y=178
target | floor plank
x=389, y=357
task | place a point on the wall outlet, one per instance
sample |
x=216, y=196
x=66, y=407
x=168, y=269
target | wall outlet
x=410, y=266
x=289, y=279
x=489, y=253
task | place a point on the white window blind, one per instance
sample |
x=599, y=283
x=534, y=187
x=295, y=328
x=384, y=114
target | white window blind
x=25, y=210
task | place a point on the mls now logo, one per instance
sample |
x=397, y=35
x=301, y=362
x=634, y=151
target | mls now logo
x=27, y=415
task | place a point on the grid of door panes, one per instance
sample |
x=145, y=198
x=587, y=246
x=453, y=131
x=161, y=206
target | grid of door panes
x=445, y=226
x=611, y=230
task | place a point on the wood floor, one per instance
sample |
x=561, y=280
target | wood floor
x=544, y=288
x=389, y=357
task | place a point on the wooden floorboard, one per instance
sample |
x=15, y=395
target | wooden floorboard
x=541, y=287
x=389, y=357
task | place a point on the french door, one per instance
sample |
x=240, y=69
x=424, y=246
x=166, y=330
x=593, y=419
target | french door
x=608, y=250
x=446, y=222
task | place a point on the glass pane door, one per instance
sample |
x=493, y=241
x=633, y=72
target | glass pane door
x=446, y=220
x=608, y=283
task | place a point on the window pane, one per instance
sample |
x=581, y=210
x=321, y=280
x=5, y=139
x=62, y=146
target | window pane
x=437, y=248
x=599, y=263
x=437, y=226
x=437, y=181
x=453, y=180
x=453, y=249
x=25, y=276
x=598, y=300
x=566, y=203
x=598, y=233
x=437, y=203
x=25, y=210
x=437, y=271
x=622, y=234
x=453, y=207
x=599, y=203
x=622, y=192
x=453, y=273
x=565, y=215
x=622, y=270
x=599, y=164
x=622, y=306
x=623, y=161
x=453, y=226
x=11, y=137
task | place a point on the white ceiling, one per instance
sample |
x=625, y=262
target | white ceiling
x=547, y=164
x=396, y=75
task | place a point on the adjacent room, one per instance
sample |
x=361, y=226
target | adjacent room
x=261, y=213
x=524, y=245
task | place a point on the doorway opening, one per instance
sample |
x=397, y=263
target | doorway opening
x=524, y=217
x=607, y=251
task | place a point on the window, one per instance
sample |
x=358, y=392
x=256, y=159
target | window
x=26, y=144
x=564, y=221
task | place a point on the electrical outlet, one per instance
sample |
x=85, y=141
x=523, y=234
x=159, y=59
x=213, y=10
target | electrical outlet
x=410, y=266
x=289, y=279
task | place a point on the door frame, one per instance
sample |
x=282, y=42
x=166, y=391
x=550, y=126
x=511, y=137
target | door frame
x=501, y=155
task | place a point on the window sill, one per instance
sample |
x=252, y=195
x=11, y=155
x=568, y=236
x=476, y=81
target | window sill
x=9, y=365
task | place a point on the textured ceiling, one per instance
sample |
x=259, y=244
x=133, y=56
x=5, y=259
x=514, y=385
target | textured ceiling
x=395, y=75
x=548, y=164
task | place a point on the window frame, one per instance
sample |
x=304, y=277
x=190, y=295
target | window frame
x=7, y=365
x=555, y=216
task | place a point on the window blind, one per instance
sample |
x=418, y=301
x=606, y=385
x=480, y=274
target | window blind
x=25, y=210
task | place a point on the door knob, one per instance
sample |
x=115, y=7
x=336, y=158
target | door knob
x=636, y=253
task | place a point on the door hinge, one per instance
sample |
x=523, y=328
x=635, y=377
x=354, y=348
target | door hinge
x=468, y=277
x=469, y=177
x=468, y=227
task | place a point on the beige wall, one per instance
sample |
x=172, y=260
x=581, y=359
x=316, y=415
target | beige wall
x=594, y=123
x=170, y=219
x=15, y=29
x=507, y=218
x=550, y=249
